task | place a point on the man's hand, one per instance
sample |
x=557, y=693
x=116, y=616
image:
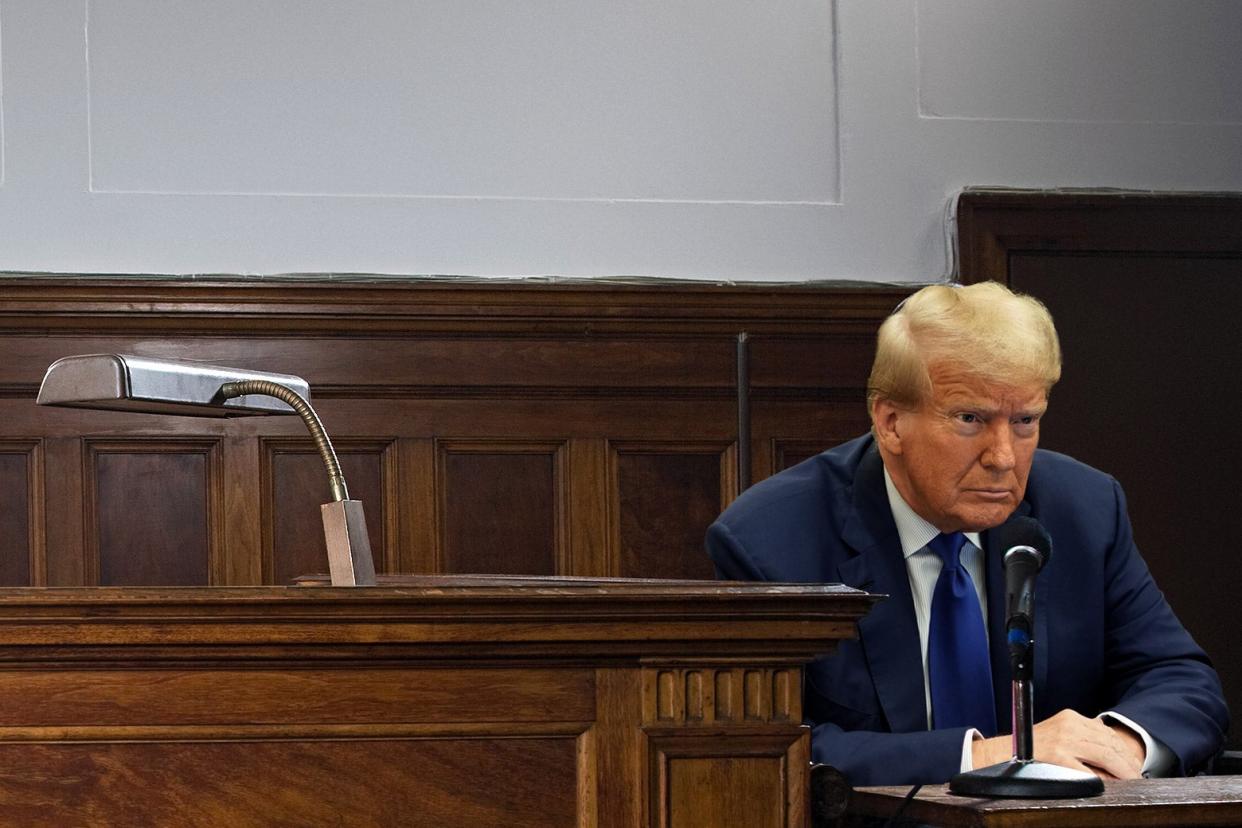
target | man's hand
x=1109, y=750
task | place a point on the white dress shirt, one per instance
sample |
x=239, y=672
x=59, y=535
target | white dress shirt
x=923, y=567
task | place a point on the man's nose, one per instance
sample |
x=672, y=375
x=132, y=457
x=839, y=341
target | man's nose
x=999, y=453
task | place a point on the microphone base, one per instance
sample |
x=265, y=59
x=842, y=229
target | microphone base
x=1026, y=780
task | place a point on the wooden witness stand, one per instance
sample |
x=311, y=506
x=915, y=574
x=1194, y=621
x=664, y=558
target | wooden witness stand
x=1141, y=803
x=438, y=701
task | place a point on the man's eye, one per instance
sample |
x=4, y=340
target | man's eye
x=967, y=417
x=1026, y=426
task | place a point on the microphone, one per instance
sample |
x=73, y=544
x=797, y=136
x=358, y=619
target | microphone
x=1028, y=547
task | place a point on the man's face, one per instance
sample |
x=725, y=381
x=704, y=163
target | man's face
x=961, y=459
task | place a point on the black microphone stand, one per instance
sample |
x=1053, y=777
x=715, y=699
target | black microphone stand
x=1022, y=776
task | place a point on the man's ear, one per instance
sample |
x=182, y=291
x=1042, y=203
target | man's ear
x=885, y=420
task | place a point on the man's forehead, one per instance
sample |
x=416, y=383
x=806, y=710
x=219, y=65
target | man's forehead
x=952, y=384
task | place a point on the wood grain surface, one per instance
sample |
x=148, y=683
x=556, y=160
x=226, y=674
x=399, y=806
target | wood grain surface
x=438, y=701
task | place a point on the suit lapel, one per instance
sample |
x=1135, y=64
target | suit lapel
x=889, y=632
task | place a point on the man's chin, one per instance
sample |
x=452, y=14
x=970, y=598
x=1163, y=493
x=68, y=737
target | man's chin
x=980, y=519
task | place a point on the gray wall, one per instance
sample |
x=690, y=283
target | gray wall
x=715, y=139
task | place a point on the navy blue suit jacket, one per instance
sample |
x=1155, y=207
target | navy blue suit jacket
x=1106, y=639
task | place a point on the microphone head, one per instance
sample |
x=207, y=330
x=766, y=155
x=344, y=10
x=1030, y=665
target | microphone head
x=1024, y=531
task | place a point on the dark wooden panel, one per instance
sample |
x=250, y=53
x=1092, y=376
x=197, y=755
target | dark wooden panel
x=684, y=764
x=820, y=364
x=665, y=496
x=298, y=484
x=154, y=511
x=312, y=697
x=540, y=419
x=785, y=432
x=530, y=782
x=1151, y=345
x=788, y=453
x=15, y=515
x=502, y=507
x=994, y=224
x=422, y=365
x=740, y=779
x=1144, y=290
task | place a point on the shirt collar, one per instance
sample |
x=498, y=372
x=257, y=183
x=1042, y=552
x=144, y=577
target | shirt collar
x=914, y=531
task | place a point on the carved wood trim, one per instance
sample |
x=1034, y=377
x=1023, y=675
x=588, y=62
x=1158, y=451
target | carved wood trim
x=302, y=731
x=37, y=303
x=704, y=696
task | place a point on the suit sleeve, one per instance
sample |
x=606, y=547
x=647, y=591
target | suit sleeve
x=1157, y=675
x=868, y=757
x=729, y=556
x=848, y=730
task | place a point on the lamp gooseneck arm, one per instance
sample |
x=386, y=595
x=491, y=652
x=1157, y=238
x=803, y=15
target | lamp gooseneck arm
x=336, y=481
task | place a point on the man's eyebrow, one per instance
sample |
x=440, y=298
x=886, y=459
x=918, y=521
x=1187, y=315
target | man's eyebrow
x=988, y=409
x=971, y=403
x=1037, y=408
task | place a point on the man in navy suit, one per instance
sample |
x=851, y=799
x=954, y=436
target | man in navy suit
x=960, y=381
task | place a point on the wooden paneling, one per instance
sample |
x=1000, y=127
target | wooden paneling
x=1144, y=289
x=297, y=483
x=741, y=779
x=479, y=423
x=21, y=514
x=684, y=764
x=66, y=491
x=787, y=431
x=786, y=453
x=453, y=701
x=808, y=394
x=665, y=496
x=242, y=697
x=153, y=508
x=502, y=507
x=679, y=696
x=530, y=782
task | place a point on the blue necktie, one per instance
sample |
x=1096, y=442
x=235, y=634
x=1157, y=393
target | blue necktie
x=957, y=646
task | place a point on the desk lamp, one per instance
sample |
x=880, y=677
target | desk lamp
x=119, y=382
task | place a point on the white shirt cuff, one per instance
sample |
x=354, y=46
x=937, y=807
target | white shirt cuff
x=968, y=759
x=1160, y=759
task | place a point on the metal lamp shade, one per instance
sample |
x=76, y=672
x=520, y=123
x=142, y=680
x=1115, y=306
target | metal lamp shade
x=120, y=382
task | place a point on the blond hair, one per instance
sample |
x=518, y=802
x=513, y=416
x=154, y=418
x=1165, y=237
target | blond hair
x=985, y=329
